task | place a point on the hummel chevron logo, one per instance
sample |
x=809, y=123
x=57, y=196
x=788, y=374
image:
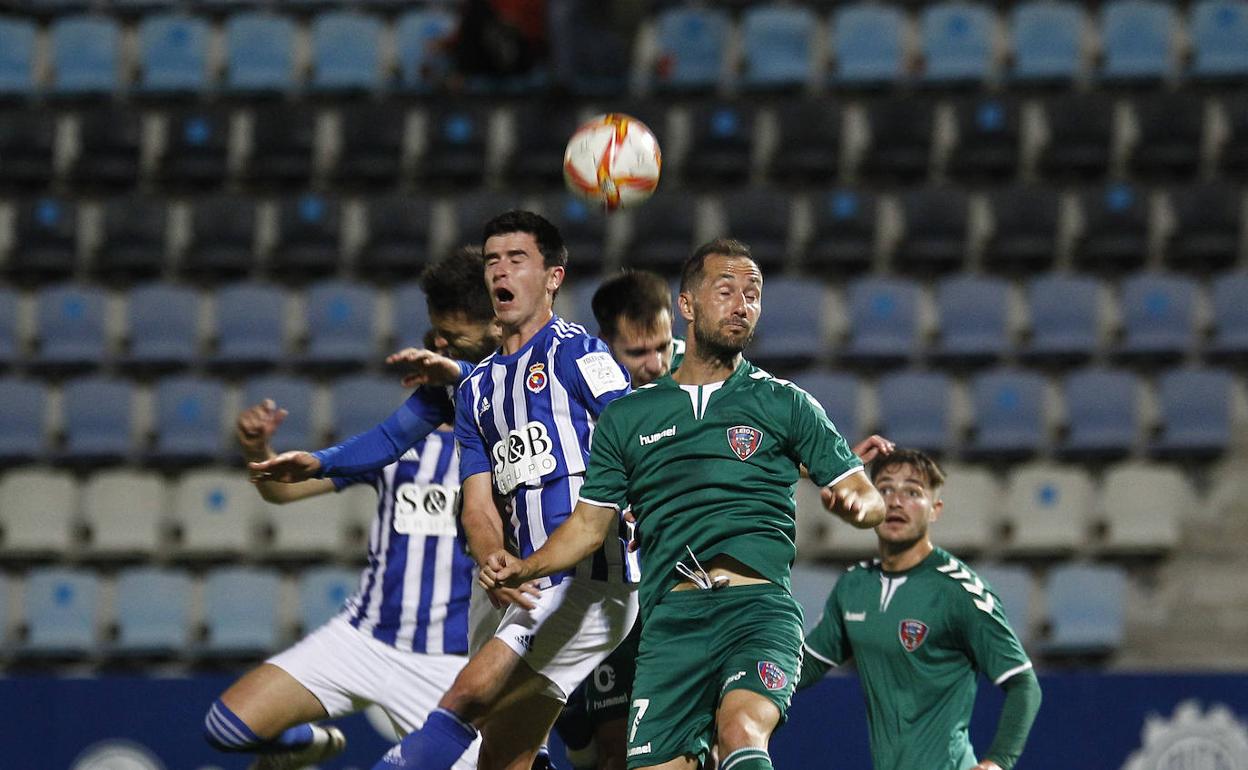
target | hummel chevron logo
x=970, y=583
x=653, y=437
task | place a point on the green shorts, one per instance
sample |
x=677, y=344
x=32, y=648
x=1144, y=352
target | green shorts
x=602, y=697
x=696, y=646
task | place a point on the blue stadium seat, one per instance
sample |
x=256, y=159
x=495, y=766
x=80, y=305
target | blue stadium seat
x=250, y=324
x=132, y=240
x=582, y=224
x=222, y=237
x=760, y=217
x=663, y=238
x=691, y=42
x=97, y=413
x=1230, y=316
x=196, y=147
x=474, y=209
x=293, y=394
x=153, y=612
x=27, y=147
x=1080, y=136
x=902, y=130
x=844, y=230
x=10, y=337
x=1207, y=222
x=791, y=333
x=1012, y=585
x=1008, y=409
x=810, y=135
x=457, y=136
x=1087, y=608
x=915, y=409
x=883, y=320
x=411, y=315
x=398, y=228
x=974, y=318
x=188, y=422
x=778, y=43
x=86, y=53
x=283, y=143
x=1159, y=316
x=162, y=326
x=1102, y=412
x=241, y=615
x=322, y=592
x=309, y=231
x=173, y=51
x=721, y=142
x=1026, y=224
x=373, y=143
x=422, y=64
x=937, y=229
x=1196, y=412
x=1219, y=30
x=868, y=41
x=990, y=137
x=46, y=239
x=342, y=330
x=71, y=328
x=22, y=431
x=60, y=606
x=1116, y=227
x=17, y=56
x=1139, y=39
x=840, y=395
x=361, y=401
x=957, y=42
x=260, y=52
x=1065, y=316
x=1046, y=35
x=346, y=52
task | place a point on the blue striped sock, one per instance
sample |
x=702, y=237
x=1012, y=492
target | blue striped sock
x=435, y=746
x=225, y=731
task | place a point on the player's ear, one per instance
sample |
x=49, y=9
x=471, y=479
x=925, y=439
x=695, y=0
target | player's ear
x=554, y=279
x=938, y=507
x=684, y=301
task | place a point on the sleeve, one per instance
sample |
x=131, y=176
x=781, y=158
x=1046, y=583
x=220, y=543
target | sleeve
x=1022, y=703
x=816, y=442
x=826, y=645
x=591, y=375
x=473, y=456
x=990, y=641
x=342, y=482
x=465, y=369
x=417, y=417
x=606, y=484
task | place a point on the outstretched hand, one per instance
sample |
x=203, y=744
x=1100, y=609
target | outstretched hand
x=256, y=425
x=424, y=367
x=288, y=467
x=872, y=447
x=851, y=505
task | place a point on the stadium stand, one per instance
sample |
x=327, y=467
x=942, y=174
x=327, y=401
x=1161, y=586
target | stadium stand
x=153, y=613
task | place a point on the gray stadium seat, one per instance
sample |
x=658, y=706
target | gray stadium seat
x=124, y=513
x=1048, y=508
x=38, y=513
x=215, y=513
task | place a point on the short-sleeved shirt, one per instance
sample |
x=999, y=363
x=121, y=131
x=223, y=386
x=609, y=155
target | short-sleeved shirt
x=711, y=470
x=919, y=639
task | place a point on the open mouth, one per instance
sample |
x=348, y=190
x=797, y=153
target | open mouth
x=894, y=519
x=503, y=295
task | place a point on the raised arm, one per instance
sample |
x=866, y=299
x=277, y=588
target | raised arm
x=855, y=499
x=253, y=429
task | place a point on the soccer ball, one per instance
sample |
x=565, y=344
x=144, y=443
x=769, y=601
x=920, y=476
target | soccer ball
x=613, y=160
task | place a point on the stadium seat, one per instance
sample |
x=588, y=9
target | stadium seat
x=1139, y=39
x=283, y=145
x=840, y=395
x=259, y=53
x=883, y=321
x=540, y=136
x=582, y=224
x=474, y=209
x=915, y=409
x=1116, y=228
x=251, y=320
x=419, y=36
x=691, y=44
x=1207, y=226
x=663, y=237
x=45, y=239
x=308, y=240
x=869, y=45
x=396, y=242
x=27, y=147
x=760, y=216
x=12, y=342
x=373, y=143
x=38, y=513
x=1008, y=409
x=721, y=143
x=1159, y=316
x=843, y=231
x=71, y=328
x=109, y=147
x=188, y=424
x=989, y=142
x=1142, y=506
x=1219, y=31
x=1233, y=155
x=1026, y=226
x=937, y=229
x=342, y=327
x=60, y=608
x=162, y=327
x=777, y=46
x=809, y=141
x=322, y=593
x=1196, y=407
x=791, y=334
x=1230, y=317
x=1065, y=317
x=214, y=513
x=86, y=55
x=902, y=131
x=22, y=421
x=297, y=396
x=195, y=149
x=311, y=529
x=1011, y=583
x=1087, y=608
x=222, y=240
x=1048, y=509
x=97, y=421
x=1047, y=40
x=236, y=628
x=17, y=56
x=133, y=237
x=974, y=319
x=361, y=401
x=411, y=315
x=346, y=51
x=173, y=53
x=1080, y=135
x=124, y=514
x=456, y=140
x=5, y=620
x=1102, y=413
x=970, y=517
x=153, y=612
x=957, y=42
x=1171, y=135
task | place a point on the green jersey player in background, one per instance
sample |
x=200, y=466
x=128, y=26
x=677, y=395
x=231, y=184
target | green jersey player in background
x=708, y=460
x=921, y=626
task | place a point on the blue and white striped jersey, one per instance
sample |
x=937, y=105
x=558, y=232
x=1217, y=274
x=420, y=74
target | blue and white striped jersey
x=527, y=419
x=413, y=595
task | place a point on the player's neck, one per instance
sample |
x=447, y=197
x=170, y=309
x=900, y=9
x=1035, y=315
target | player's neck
x=517, y=336
x=901, y=557
x=700, y=368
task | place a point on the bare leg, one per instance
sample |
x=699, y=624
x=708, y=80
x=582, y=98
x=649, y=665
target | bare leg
x=270, y=700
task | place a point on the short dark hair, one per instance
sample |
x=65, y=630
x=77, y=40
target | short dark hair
x=549, y=241
x=638, y=295
x=691, y=273
x=456, y=284
x=931, y=472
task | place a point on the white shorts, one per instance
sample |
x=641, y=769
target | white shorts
x=483, y=617
x=347, y=670
x=575, y=625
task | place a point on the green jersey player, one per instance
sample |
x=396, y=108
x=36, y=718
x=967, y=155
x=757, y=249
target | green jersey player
x=708, y=459
x=921, y=626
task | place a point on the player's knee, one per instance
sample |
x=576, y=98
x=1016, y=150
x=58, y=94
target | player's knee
x=465, y=699
x=739, y=729
x=225, y=731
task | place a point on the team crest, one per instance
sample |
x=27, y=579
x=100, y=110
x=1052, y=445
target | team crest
x=773, y=678
x=744, y=441
x=912, y=634
x=537, y=379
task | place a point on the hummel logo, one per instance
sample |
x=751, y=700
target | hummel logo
x=653, y=437
x=855, y=616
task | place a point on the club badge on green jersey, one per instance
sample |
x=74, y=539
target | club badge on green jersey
x=744, y=441
x=912, y=633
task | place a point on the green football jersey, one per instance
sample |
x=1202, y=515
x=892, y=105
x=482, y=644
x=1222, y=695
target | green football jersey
x=919, y=638
x=711, y=470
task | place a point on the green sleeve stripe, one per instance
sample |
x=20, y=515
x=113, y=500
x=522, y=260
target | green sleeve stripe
x=821, y=658
x=612, y=506
x=1012, y=672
